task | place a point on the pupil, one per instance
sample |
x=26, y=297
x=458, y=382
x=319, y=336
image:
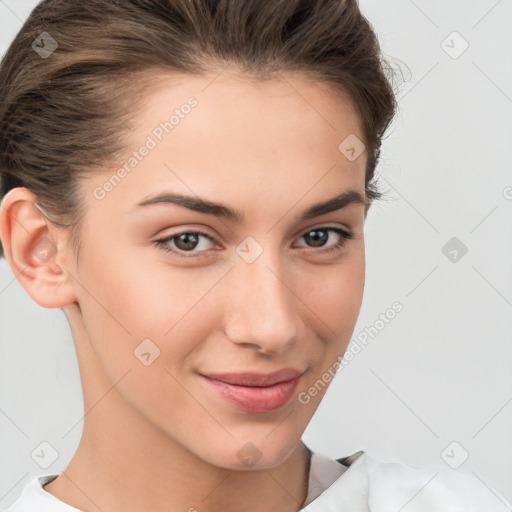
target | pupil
x=186, y=237
x=317, y=240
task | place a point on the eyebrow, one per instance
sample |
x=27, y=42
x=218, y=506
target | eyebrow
x=200, y=205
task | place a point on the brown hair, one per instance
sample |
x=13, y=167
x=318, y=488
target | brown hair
x=63, y=116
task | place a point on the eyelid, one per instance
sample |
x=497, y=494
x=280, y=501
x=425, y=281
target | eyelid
x=188, y=229
x=324, y=225
x=204, y=231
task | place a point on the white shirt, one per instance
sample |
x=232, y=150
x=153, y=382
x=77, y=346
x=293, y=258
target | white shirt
x=358, y=483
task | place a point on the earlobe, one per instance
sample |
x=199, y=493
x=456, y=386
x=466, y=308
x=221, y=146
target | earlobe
x=32, y=251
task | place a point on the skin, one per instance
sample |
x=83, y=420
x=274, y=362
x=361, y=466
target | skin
x=155, y=437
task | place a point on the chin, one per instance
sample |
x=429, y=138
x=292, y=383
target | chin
x=250, y=453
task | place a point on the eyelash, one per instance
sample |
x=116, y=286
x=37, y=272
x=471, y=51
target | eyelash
x=345, y=236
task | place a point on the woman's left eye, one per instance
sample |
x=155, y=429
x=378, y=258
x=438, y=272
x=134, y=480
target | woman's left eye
x=319, y=235
x=187, y=241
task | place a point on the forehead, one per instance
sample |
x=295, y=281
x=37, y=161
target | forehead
x=233, y=100
x=231, y=135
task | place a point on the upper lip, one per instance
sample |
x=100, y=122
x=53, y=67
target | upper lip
x=254, y=378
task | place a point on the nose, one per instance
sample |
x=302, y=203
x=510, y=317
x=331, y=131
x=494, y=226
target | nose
x=262, y=310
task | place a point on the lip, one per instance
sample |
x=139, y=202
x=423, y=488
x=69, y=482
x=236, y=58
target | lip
x=255, y=378
x=255, y=392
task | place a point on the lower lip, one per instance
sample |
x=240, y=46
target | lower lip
x=255, y=399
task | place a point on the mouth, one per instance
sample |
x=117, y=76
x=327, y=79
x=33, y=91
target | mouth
x=255, y=392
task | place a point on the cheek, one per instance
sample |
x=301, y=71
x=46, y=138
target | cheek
x=335, y=292
x=130, y=310
x=335, y=296
x=127, y=302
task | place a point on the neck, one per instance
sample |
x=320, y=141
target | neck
x=115, y=471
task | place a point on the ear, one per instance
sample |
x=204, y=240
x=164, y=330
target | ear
x=35, y=249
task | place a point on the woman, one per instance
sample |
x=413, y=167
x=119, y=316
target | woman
x=188, y=181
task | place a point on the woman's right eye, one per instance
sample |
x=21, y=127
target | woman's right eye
x=185, y=241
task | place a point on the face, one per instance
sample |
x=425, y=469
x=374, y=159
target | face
x=199, y=304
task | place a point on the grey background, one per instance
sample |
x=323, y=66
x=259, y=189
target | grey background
x=440, y=371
